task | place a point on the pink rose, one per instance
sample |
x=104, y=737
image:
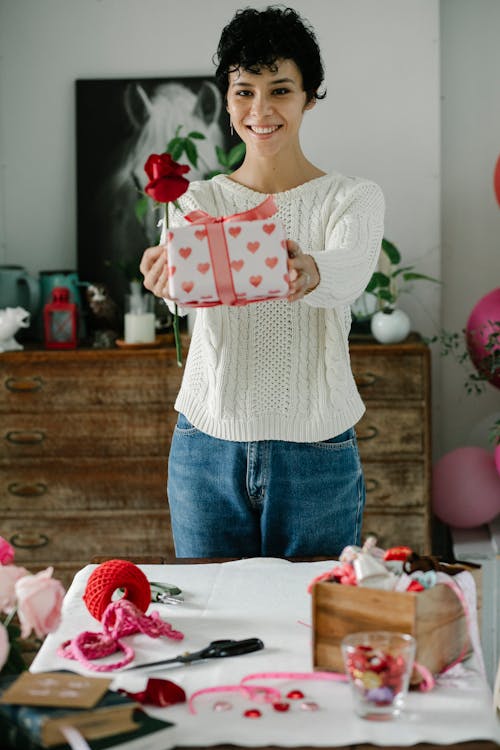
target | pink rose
x=6, y=552
x=9, y=574
x=4, y=645
x=39, y=602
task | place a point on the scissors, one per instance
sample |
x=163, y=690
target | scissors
x=214, y=650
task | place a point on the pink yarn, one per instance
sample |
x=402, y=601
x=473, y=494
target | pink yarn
x=120, y=618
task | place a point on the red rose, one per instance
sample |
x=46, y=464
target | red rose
x=165, y=178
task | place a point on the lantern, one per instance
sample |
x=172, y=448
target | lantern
x=60, y=318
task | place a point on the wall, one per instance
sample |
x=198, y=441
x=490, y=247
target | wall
x=470, y=55
x=381, y=118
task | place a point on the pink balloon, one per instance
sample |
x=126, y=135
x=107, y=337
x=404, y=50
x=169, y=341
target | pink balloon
x=466, y=488
x=484, y=321
x=496, y=180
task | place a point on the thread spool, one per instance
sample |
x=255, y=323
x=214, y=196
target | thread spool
x=110, y=576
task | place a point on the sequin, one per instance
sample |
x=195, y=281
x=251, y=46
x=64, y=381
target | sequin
x=222, y=706
x=295, y=695
x=252, y=713
x=309, y=706
x=281, y=706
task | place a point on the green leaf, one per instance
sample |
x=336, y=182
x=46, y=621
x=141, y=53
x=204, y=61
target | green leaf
x=236, y=154
x=386, y=295
x=213, y=173
x=191, y=152
x=377, y=280
x=141, y=208
x=391, y=251
x=174, y=143
x=177, y=150
x=221, y=156
x=411, y=276
x=197, y=135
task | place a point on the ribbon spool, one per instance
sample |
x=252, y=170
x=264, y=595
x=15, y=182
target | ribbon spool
x=112, y=575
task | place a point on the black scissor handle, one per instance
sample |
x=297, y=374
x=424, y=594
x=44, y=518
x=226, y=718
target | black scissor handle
x=222, y=648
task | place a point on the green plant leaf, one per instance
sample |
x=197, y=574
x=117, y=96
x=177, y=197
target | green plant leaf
x=191, y=152
x=411, y=276
x=141, y=208
x=197, y=135
x=391, y=251
x=377, y=280
x=221, y=156
x=236, y=154
x=176, y=148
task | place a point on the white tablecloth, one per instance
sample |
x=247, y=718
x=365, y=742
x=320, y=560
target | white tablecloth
x=267, y=598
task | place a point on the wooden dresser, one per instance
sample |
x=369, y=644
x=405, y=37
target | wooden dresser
x=85, y=434
x=394, y=438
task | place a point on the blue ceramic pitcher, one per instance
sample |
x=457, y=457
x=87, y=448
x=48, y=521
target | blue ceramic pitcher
x=18, y=289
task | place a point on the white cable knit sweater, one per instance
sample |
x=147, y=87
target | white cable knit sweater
x=280, y=370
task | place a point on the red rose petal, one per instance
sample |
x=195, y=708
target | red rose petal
x=158, y=693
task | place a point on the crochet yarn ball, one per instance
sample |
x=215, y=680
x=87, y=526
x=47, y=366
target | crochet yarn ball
x=110, y=576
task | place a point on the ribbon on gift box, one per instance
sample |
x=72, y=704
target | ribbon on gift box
x=217, y=244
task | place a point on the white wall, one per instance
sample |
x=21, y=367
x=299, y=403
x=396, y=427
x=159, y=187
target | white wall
x=470, y=214
x=381, y=119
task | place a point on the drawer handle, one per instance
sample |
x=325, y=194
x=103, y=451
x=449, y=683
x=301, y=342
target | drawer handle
x=372, y=485
x=365, y=379
x=37, y=489
x=370, y=433
x=30, y=437
x=24, y=385
x=29, y=540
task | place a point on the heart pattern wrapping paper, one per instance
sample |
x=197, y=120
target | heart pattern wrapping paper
x=227, y=262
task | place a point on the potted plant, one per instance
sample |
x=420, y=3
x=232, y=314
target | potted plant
x=389, y=324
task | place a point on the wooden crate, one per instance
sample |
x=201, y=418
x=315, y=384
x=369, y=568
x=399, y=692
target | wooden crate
x=435, y=618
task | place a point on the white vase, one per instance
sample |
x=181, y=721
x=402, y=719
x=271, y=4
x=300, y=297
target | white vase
x=391, y=326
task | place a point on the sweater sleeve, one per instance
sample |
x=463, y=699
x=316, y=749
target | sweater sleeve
x=353, y=238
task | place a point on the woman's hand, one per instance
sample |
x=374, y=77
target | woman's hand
x=154, y=268
x=302, y=270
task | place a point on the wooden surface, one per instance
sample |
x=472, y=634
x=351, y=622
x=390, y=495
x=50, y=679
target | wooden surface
x=85, y=435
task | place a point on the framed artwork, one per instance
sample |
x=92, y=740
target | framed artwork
x=119, y=123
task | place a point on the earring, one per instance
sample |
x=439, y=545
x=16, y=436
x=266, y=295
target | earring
x=231, y=129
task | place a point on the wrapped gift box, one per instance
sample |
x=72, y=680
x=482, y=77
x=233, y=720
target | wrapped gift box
x=434, y=617
x=228, y=260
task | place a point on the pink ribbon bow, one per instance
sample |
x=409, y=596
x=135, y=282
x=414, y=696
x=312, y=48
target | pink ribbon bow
x=217, y=244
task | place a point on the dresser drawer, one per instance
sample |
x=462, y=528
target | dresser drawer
x=385, y=375
x=83, y=484
x=62, y=381
x=392, y=529
x=391, y=431
x=56, y=536
x=142, y=431
x=396, y=484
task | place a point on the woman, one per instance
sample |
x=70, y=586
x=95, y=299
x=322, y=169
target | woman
x=264, y=459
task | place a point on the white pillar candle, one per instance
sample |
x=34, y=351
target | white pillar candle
x=139, y=328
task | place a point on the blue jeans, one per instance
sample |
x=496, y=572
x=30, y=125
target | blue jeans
x=269, y=498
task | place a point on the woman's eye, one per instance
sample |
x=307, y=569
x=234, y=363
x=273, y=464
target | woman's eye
x=280, y=91
x=243, y=92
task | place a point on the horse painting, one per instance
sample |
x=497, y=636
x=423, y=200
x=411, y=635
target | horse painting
x=119, y=124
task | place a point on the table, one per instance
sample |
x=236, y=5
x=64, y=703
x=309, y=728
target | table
x=268, y=598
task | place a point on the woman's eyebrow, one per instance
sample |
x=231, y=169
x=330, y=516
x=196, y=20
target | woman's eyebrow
x=274, y=82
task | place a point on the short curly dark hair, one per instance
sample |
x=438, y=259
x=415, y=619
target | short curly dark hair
x=256, y=39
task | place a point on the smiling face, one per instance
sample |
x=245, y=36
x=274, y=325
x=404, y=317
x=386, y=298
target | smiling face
x=266, y=108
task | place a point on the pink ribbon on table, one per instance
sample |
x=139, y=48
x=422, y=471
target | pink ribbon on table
x=217, y=243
